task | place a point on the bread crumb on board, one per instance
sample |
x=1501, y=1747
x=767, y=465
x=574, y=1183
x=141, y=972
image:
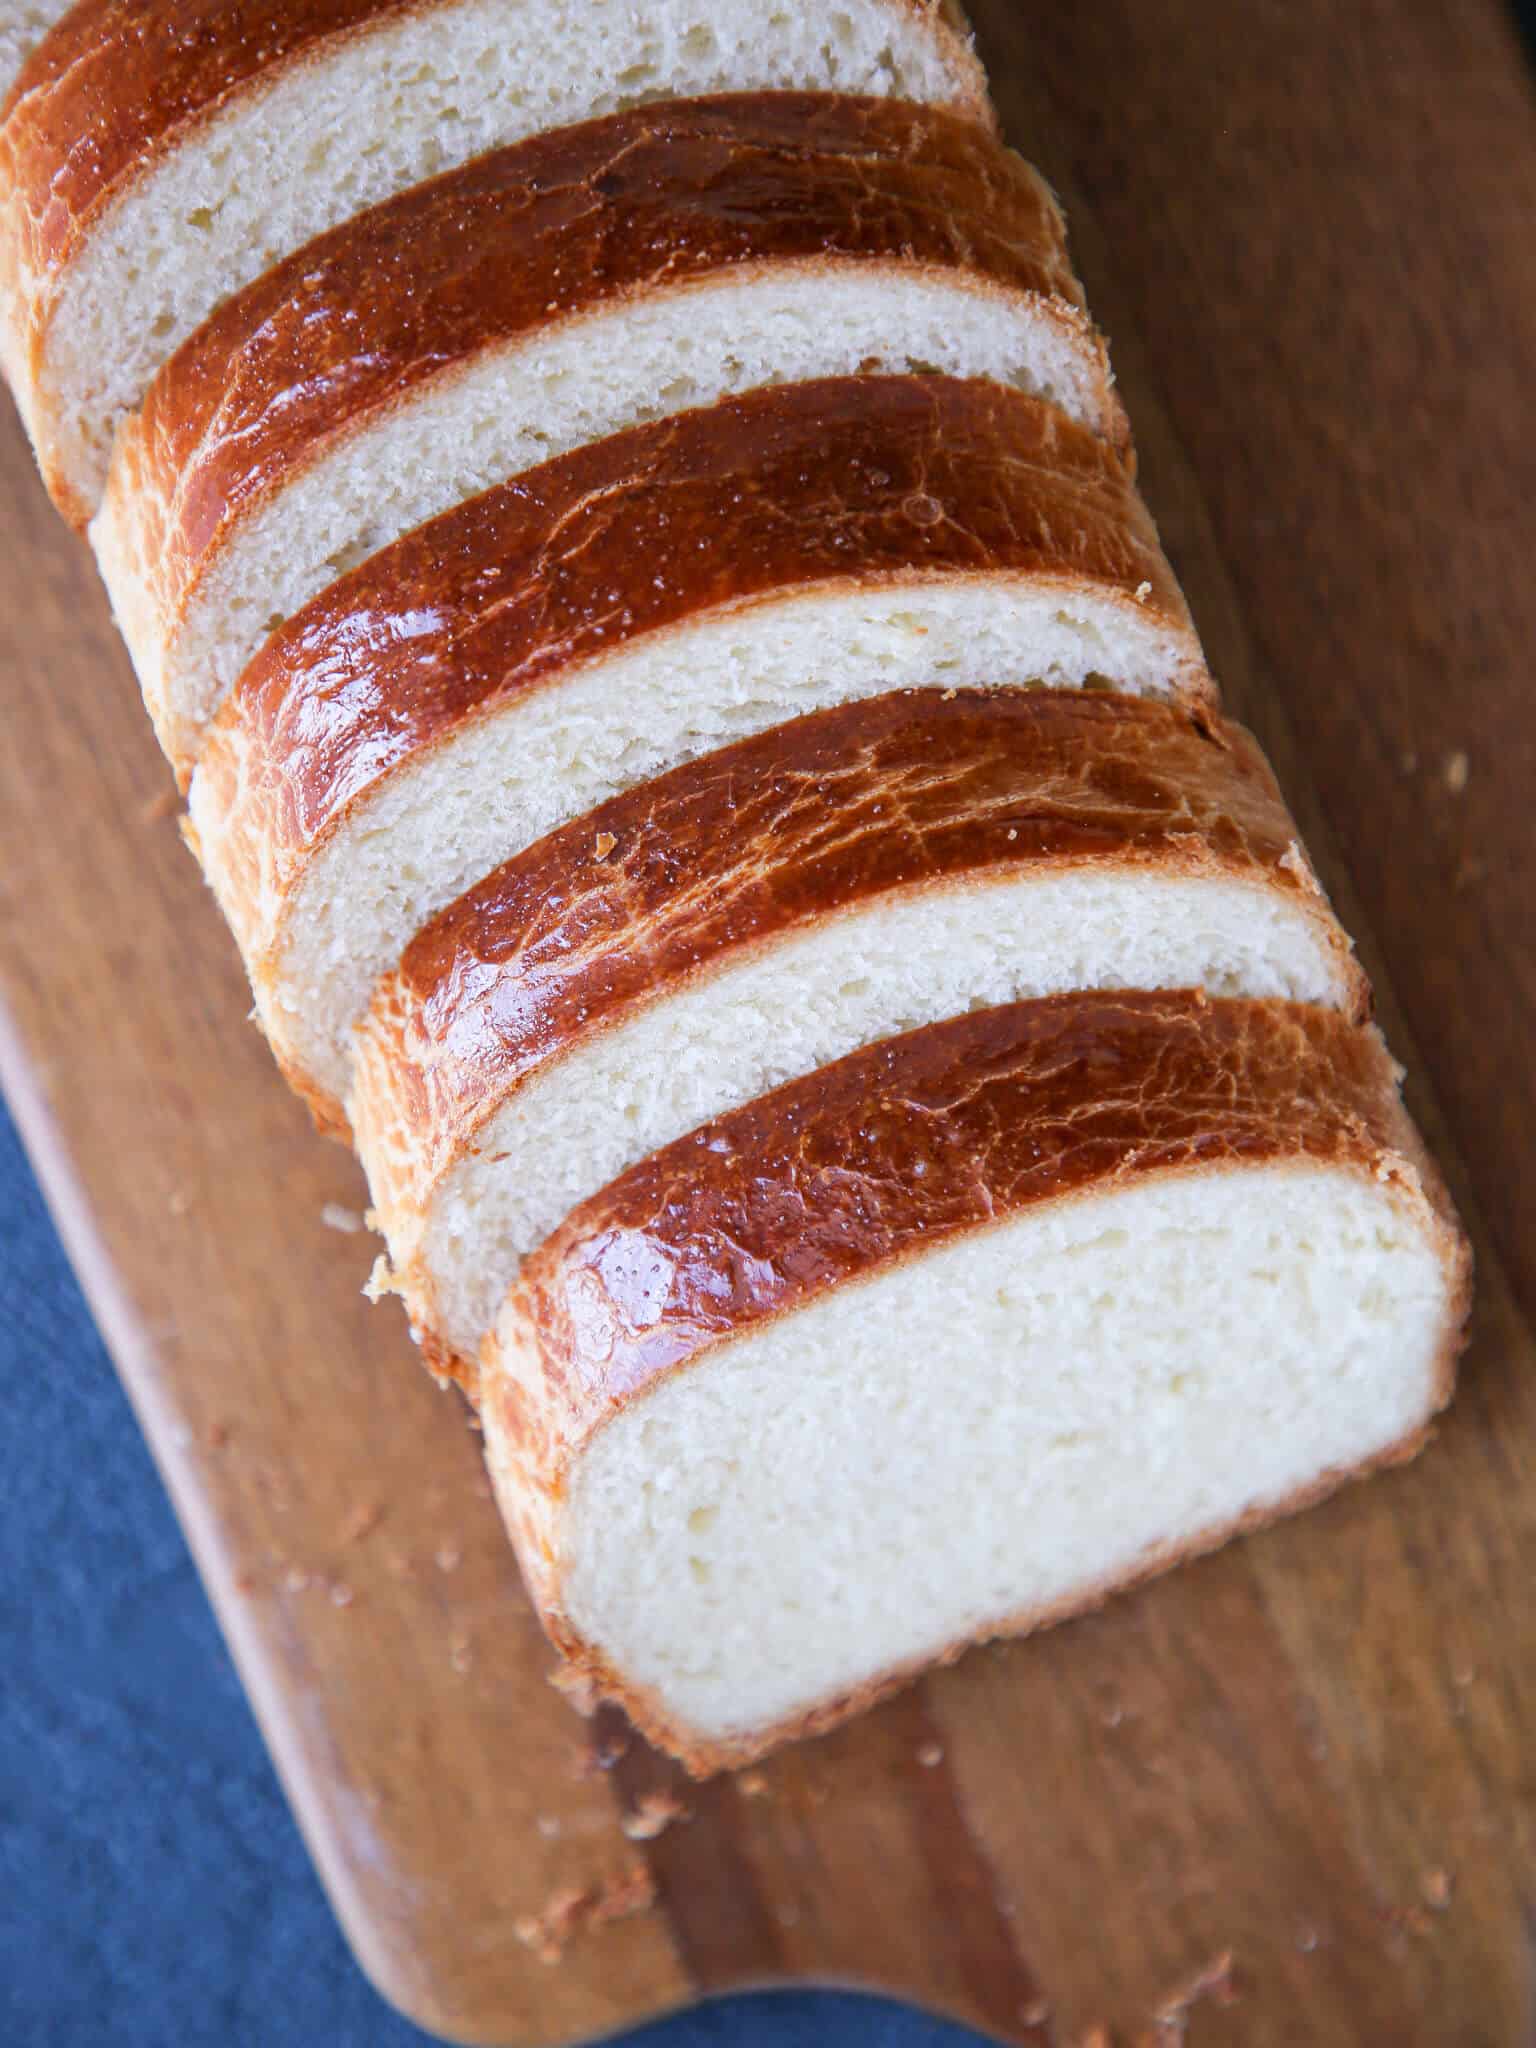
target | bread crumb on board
x=577, y=1688
x=547, y=1931
x=654, y=1813
x=751, y=1784
x=337, y=1216
x=581, y=1909
x=1457, y=770
x=930, y=1755
x=1170, y=2022
x=1435, y=1889
x=621, y=1898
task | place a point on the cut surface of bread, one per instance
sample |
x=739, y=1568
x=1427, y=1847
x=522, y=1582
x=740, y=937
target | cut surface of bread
x=635, y=604
x=955, y=1338
x=757, y=914
x=666, y=257
x=156, y=159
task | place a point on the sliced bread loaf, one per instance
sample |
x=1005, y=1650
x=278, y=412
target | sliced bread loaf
x=156, y=159
x=957, y=1337
x=635, y=604
x=761, y=912
x=665, y=257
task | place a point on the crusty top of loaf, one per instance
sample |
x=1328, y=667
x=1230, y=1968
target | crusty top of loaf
x=115, y=83
x=809, y=819
x=907, y=1144
x=657, y=196
x=843, y=481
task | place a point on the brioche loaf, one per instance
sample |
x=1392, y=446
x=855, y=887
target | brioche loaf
x=957, y=1337
x=710, y=770
x=156, y=159
x=665, y=257
x=757, y=914
x=635, y=604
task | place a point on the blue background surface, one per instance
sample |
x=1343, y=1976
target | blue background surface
x=153, y=1887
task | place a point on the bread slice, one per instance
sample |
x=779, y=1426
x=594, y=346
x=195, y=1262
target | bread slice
x=956, y=1338
x=160, y=158
x=760, y=913
x=666, y=257
x=635, y=604
x=23, y=25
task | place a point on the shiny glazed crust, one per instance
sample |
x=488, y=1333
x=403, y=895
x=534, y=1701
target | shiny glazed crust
x=653, y=199
x=115, y=86
x=844, y=483
x=666, y=883
x=892, y=1152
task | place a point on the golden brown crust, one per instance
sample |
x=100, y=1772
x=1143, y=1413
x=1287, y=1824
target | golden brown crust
x=890, y=1153
x=807, y=821
x=656, y=198
x=843, y=483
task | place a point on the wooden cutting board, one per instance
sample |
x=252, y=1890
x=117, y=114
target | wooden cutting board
x=1309, y=230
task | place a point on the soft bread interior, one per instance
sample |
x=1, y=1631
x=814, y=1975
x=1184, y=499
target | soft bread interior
x=824, y=990
x=459, y=809
x=991, y=1434
x=543, y=394
x=422, y=90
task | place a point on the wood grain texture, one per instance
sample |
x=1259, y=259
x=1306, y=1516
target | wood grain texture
x=1307, y=232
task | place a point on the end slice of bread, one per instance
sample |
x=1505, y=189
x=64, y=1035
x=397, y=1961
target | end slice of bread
x=760, y=913
x=636, y=604
x=666, y=257
x=155, y=160
x=956, y=1338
